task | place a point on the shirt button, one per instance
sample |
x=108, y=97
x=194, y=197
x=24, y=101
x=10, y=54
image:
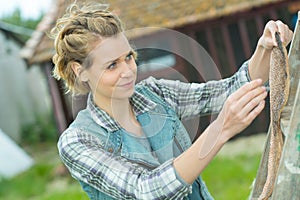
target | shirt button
x=110, y=150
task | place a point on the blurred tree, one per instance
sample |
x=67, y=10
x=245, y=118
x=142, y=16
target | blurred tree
x=16, y=20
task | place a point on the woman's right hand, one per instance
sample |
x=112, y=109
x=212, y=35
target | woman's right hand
x=241, y=108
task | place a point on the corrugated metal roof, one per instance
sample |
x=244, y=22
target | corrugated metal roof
x=138, y=14
x=15, y=29
x=15, y=32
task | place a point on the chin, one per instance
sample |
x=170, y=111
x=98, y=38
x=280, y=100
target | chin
x=130, y=93
x=124, y=94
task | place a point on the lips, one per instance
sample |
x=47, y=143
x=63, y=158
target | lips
x=127, y=84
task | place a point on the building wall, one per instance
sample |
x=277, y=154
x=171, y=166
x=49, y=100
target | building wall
x=23, y=93
x=228, y=42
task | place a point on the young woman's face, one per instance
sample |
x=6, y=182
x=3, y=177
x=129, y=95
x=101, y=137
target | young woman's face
x=113, y=71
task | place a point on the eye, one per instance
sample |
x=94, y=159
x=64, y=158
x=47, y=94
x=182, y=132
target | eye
x=112, y=65
x=129, y=56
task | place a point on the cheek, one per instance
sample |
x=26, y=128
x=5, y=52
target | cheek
x=133, y=67
x=108, y=80
x=100, y=80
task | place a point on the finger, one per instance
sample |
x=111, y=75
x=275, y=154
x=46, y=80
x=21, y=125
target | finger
x=283, y=29
x=272, y=28
x=255, y=112
x=245, y=89
x=288, y=37
x=255, y=98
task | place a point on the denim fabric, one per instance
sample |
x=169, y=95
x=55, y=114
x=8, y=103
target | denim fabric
x=164, y=138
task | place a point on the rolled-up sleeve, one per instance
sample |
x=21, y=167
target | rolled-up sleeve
x=194, y=99
x=87, y=161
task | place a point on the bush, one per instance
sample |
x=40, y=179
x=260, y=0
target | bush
x=43, y=129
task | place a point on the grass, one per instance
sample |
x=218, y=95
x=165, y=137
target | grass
x=41, y=182
x=226, y=178
x=231, y=178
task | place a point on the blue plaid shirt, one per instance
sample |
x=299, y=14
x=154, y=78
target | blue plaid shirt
x=87, y=161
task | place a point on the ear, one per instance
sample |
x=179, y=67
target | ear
x=83, y=76
x=80, y=73
x=76, y=68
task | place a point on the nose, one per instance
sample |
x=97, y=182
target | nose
x=126, y=70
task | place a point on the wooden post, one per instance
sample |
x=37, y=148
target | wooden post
x=287, y=185
x=288, y=176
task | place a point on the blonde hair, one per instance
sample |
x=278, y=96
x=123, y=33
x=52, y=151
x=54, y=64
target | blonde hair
x=76, y=35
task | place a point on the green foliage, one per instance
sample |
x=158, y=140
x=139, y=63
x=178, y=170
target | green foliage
x=41, y=182
x=73, y=193
x=16, y=18
x=43, y=129
x=32, y=182
x=231, y=178
x=226, y=178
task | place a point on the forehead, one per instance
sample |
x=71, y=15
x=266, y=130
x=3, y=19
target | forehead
x=111, y=48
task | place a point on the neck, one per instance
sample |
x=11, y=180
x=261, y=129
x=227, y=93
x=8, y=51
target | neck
x=121, y=111
x=116, y=108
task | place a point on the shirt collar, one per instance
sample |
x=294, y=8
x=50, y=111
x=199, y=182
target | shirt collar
x=140, y=104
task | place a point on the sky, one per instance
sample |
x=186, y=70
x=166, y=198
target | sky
x=29, y=8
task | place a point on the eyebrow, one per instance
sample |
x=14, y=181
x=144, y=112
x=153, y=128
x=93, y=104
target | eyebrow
x=111, y=61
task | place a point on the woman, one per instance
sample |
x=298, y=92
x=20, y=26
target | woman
x=129, y=142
